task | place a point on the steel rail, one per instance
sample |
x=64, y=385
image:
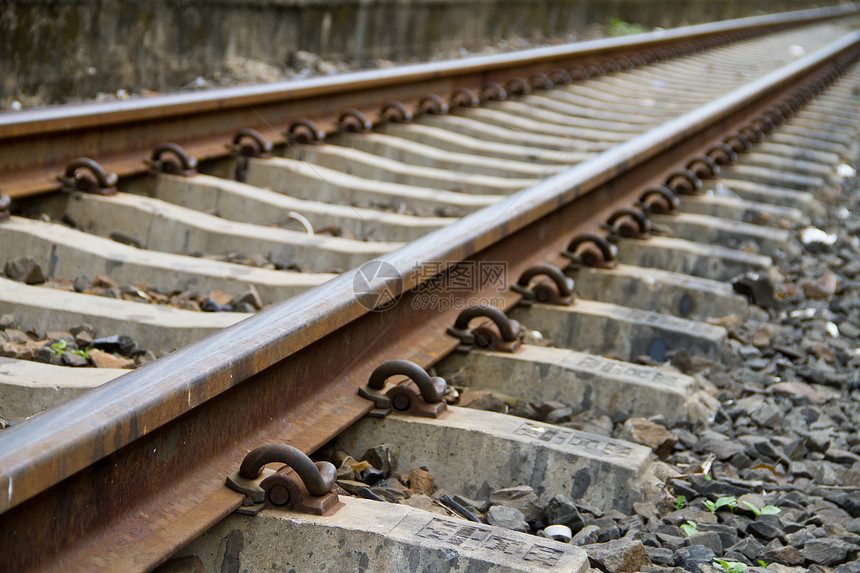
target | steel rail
x=35, y=145
x=124, y=475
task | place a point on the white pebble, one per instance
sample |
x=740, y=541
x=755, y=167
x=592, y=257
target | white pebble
x=844, y=170
x=796, y=51
x=832, y=330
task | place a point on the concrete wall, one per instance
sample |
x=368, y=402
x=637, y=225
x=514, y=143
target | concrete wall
x=60, y=50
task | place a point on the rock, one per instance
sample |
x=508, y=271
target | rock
x=763, y=337
x=758, y=288
x=827, y=551
x=144, y=358
x=618, y=556
x=421, y=501
x=647, y=433
x=563, y=511
x=104, y=360
x=689, y=514
x=380, y=457
x=507, y=517
x=8, y=321
x=765, y=529
x=251, y=296
x=421, y=481
x=608, y=531
x=850, y=567
x=797, y=389
x=24, y=270
x=710, y=539
x=586, y=536
x=646, y=510
x=711, y=442
x=788, y=555
x=690, y=557
x=750, y=547
x=661, y=556
x=43, y=354
x=72, y=359
x=83, y=338
x=121, y=344
x=523, y=498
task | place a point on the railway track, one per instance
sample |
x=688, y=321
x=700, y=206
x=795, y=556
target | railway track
x=653, y=172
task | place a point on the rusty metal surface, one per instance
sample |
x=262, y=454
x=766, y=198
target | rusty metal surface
x=36, y=144
x=84, y=485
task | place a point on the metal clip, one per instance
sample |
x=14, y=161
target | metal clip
x=180, y=164
x=301, y=485
x=592, y=250
x=97, y=181
x=628, y=222
x=498, y=333
x=305, y=131
x=683, y=182
x=659, y=200
x=555, y=289
x=420, y=395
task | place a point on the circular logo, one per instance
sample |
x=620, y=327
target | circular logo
x=377, y=285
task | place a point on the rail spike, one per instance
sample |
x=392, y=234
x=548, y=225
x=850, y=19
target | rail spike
x=428, y=401
x=76, y=178
x=704, y=166
x=171, y=158
x=395, y=112
x=300, y=485
x=684, y=182
x=497, y=333
x=629, y=222
x=739, y=142
x=592, y=250
x=560, y=77
x=305, y=131
x=555, y=289
x=5, y=207
x=659, y=200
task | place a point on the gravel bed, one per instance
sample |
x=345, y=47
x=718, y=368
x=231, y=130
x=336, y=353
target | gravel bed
x=771, y=483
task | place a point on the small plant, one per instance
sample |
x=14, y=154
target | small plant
x=729, y=501
x=762, y=562
x=690, y=528
x=766, y=510
x=618, y=27
x=83, y=353
x=59, y=346
x=680, y=502
x=730, y=566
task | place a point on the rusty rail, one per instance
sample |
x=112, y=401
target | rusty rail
x=35, y=145
x=123, y=476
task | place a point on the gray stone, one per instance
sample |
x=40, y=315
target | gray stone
x=618, y=555
x=766, y=529
x=72, y=359
x=690, y=557
x=507, y=517
x=380, y=457
x=563, y=511
x=710, y=539
x=827, y=551
x=850, y=567
x=251, y=297
x=661, y=556
x=689, y=514
x=586, y=536
x=788, y=555
x=44, y=354
x=749, y=547
x=8, y=321
x=24, y=270
x=522, y=498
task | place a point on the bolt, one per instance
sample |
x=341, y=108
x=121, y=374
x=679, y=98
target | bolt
x=279, y=495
